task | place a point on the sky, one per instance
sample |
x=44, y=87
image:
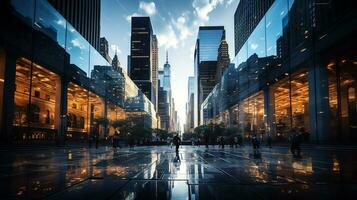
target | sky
x=176, y=23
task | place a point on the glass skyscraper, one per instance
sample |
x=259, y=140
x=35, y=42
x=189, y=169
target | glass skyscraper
x=205, y=63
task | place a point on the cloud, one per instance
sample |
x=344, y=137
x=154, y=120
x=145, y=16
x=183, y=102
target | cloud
x=128, y=18
x=204, y=7
x=115, y=48
x=149, y=8
x=254, y=46
x=181, y=25
x=168, y=38
x=77, y=43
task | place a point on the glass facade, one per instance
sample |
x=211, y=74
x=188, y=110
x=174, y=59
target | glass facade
x=292, y=73
x=63, y=88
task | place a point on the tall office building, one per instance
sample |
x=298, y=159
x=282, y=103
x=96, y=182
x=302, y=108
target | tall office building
x=141, y=55
x=104, y=49
x=83, y=15
x=190, y=104
x=155, y=66
x=166, y=81
x=115, y=62
x=223, y=60
x=205, y=64
x=247, y=16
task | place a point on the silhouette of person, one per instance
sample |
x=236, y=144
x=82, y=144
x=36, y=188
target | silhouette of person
x=177, y=142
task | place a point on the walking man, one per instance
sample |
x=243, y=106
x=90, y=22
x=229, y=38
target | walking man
x=177, y=142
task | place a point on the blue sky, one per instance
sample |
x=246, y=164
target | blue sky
x=175, y=22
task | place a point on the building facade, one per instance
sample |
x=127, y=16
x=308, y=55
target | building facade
x=56, y=86
x=205, y=64
x=295, y=71
x=141, y=55
x=83, y=15
x=190, y=104
x=155, y=66
x=104, y=49
x=248, y=14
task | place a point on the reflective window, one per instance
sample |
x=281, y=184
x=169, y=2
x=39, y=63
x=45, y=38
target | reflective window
x=24, y=9
x=50, y=22
x=36, y=101
x=2, y=80
x=78, y=48
x=77, y=108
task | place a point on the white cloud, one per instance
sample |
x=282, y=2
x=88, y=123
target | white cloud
x=128, y=18
x=254, y=46
x=181, y=25
x=148, y=8
x=77, y=43
x=204, y=7
x=115, y=48
x=168, y=38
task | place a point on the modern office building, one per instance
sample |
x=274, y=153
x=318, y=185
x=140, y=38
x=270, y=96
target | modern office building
x=248, y=14
x=205, y=64
x=155, y=66
x=295, y=70
x=223, y=60
x=141, y=55
x=55, y=85
x=190, y=104
x=164, y=109
x=83, y=15
x=104, y=49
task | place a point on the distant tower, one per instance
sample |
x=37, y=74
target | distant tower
x=115, y=62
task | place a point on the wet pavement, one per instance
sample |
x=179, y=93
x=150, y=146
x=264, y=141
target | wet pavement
x=195, y=173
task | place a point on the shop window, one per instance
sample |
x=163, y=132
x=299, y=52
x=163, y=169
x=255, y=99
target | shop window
x=300, y=101
x=2, y=80
x=78, y=117
x=32, y=118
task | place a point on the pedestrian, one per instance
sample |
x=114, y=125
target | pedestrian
x=199, y=142
x=222, y=142
x=240, y=140
x=232, y=142
x=296, y=140
x=115, y=139
x=206, y=138
x=255, y=143
x=269, y=140
x=177, y=142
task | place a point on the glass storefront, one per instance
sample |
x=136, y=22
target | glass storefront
x=37, y=100
x=77, y=107
x=2, y=80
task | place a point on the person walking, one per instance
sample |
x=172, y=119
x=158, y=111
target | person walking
x=222, y=142
x=206, y=138
x=115, y=140
x=177, y=142
x=269, y=140
x=295, y=139
x=255, y=143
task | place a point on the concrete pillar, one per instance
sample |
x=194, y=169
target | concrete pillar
x=62, y=126
x=319, y=112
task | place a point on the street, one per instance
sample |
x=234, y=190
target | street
x=323, y=172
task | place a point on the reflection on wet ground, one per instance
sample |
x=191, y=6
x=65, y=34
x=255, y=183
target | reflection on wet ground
x=194, y=173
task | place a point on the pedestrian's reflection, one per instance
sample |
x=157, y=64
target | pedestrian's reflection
x=177, y=158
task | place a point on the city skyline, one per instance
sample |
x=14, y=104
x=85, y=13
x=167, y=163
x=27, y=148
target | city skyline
x=176, y=27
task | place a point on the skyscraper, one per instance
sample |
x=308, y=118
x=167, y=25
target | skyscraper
x=155, y=66
x=222, y=59
x=83, y=15
x=141, y=55
x=190, y=104
x=246, y=18
x=205, y=64
x=104, y=49
x=115, y=62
